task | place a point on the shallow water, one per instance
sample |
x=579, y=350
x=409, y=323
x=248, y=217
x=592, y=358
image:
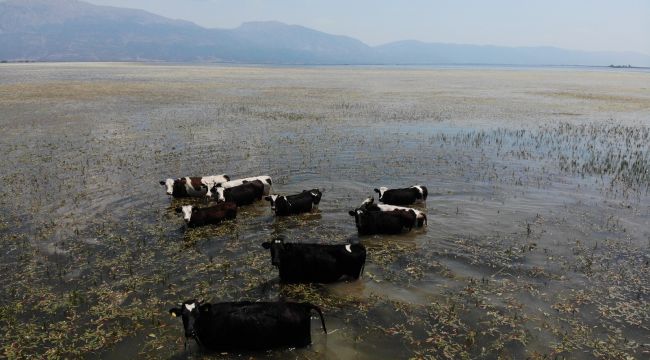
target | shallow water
x=538, y=240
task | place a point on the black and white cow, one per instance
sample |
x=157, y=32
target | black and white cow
x=192, y=186
x=265, y=179
x=383, y=222
x=369, y=204
x=406, y=196
x=247, y=325
x=306, y=201
x=316, y=263
x=212, y=215
x=244, y=194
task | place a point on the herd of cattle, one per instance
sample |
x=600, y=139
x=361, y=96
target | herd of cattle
x=265, y=325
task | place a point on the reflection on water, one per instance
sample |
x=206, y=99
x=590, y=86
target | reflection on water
x=538, y=224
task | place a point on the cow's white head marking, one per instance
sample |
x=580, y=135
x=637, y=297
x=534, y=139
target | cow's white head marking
x=190, y=307
x=187, y=212
x=368, y=201
x=220, y=196
x=169, y=186
x=273, y=199
x=419, y=189
x=382, y=190
x=348, y=248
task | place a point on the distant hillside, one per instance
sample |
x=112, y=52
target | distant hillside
x=71, y=30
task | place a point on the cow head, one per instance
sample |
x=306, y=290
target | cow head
x=216, y=192
x=219, y=193
x=367, y=202
x=315, y=195
x=212, y=190
x=190, y=311
x=272, y=199
x=169, y=185
x=381, y=191
x=357, y=215
x=187, y=211
x=276, y=246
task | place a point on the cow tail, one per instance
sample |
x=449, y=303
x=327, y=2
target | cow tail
x=320, y=313
x=363, y=266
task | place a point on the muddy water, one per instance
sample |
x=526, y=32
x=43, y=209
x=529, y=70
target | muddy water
x=538, y=240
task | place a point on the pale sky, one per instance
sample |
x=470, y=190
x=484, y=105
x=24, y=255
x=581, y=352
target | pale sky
x=614, y=25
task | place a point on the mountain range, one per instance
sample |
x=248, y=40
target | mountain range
x=72, y=30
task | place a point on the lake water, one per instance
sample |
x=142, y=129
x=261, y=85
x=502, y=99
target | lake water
x=538, y=242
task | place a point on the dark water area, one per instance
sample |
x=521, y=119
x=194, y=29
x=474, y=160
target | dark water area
x=538, y=236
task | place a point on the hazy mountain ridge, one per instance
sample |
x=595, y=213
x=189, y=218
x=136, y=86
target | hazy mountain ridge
x=72, y=30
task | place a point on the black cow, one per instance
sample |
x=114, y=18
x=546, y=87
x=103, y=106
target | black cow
x=247, y=325
x=406, y=196
x=383, y=222
x=192, y=186
x=244, y=194
x=195, y=216
x=306, y=201
x=318, y=263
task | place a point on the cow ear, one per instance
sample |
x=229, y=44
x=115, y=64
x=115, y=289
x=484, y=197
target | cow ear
x=162, y=182
x=175, y=312
x=352, y=213
x=195, y=209
x=205, y=307
x=179, y=210
x=227, y=177
x=267, y=198
x=266, y=245
x=377, y=191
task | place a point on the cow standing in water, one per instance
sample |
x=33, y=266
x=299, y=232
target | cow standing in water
x=247, y=325
x=306, y=201
x=192, y=186
x=369, y=204
x=195, y=216
x=406, y=196
x=319, y=263
x=244, y=194
x=265, y=179
x=383, y=222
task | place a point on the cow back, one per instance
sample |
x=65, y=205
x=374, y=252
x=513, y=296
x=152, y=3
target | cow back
x=294, y=204
x=303, y=263
x=255, y=325
x=246, y=193
x=407, y=196
x=380, y=222
x=213, y=215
